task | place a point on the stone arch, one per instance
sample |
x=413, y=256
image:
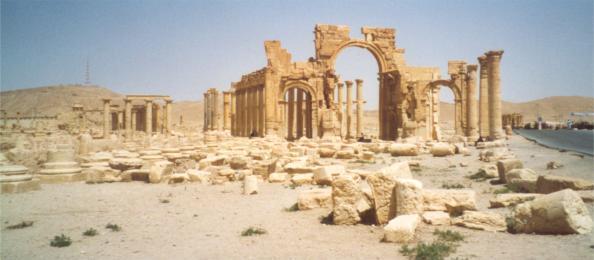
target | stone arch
x=377, y=53
x=433, y=127
x=298, y=122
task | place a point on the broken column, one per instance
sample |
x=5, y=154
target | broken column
x=106, y=117
x=60, y=166
x=359, y=123
x=471, y=110
x=484, y=98
x=349, y=108
x=495, y=125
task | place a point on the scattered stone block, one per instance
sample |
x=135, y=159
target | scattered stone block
x=408, y=196
x=487, y=221
x=302, y=179
x=401, y=149
x=323, y=175
x=442, y=149
x=511, y=199
x=278, y=177
x=159, y=170
x=550, y=183
x=345, y=197
x=449, y=200
x=561, y=212
x=250, y=185
x=504, y=166
x=436, y=218
x=401, y=229
x=316, y=198
x=238, y=163
x=326, y=152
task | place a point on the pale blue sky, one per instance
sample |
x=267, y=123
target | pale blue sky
x=181, y=48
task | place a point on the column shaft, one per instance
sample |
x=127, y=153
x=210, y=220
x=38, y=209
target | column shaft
x=106, y=117
x=291, y=114
x=359, y=122
x=483, y=97
x=128, y=116
x=495, y=125
x=299, y=113
x=349, y=108
x=149, y=117
x=339, y=107
x=472, y=109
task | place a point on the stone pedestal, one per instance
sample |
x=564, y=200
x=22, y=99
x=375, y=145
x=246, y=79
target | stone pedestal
x=61, y=167
x=16, y=178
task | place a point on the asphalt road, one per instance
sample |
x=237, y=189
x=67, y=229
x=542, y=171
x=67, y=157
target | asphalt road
x=573, y=140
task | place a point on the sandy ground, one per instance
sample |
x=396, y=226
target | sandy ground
x=205, y=222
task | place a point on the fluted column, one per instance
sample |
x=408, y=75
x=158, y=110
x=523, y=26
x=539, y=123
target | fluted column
x=471, y=110
x=349, y=108
x=291, y=115
x=339, y=107
x=299, y=113
x=149, y=117
x=495, y=125
x=483, y=97
x=261, y=111
x=359, y=122
x=106, y=117
x=128, y=116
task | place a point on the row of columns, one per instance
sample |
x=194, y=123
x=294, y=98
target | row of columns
x=129, y=118
x=348, y=114
x=298, y=108
x=248, y=110
x=490, y=121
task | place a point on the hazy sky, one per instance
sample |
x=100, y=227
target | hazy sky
x=181, y=48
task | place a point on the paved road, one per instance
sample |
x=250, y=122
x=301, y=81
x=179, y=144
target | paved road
x=574, y=140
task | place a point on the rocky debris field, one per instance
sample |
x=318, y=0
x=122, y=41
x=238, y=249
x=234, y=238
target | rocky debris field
x=216, y=196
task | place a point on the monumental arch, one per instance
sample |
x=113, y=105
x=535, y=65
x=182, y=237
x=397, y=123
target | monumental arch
x=305, y=98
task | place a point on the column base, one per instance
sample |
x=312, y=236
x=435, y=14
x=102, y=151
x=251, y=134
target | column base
x=20, y=186
x=62, y=178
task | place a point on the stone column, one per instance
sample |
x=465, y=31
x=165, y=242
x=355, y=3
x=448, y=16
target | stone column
x=262, y=111
x=133, y=123
x=232, y=114
x=205, y=114
x=471, y=110
x=256, y=110
x=226, y=110
x=308, y=116
x=158, y=116
x=148, y=117
x=483, y=97
x=216, y=111
x=349, y=108
x=359, y=122
x=106, y=117
x=299, y=113
x=339, y=107
x=168, y=115
x=495, y=125
x=128, y=116
x=291, y=115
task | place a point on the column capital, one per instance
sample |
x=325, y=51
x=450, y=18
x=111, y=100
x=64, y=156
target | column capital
x=495, y=54
x=106, y=100
x=348, y=83
x=359, y=81
x=148, y=101
x=471, y=68
x=340, y=84
x=168, y=100
x=482, y=60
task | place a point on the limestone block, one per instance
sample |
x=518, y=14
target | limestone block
x=551, y=183
x=561, y=212
x=159, y=170
x=367, y=156
x=436, y=218
x=177, y=178
x=408, y=196
x=400, y=149
x=504, y=166
x=124, y=164
x=250, y=185
x=382, y=188
x=237, y=163
x=489, y=171
x=345, y=197
x=326, y=152
x=278, y=177
x=101, y=175
x=487, y=221
x=298, y=167
x=198, y=176
x=523, y=179
x=19, y=186
x=302, y=178
x=401, y=229
x=135, y=175
x=346, y=154
x=494, y=154
x=323, y=175
x=449, y=199
x=442, y=149
x=398, y=170
x=264, y=168
x=511, y=199
x=316, y=198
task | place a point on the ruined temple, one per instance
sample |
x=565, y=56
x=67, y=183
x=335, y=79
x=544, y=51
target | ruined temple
x=305, y=98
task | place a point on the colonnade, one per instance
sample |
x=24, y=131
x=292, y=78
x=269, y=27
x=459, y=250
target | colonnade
x=211, y=110
x=515, y=120
x=247, y=107
x=297, y=114
x=345, y=117
x=148, y=115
